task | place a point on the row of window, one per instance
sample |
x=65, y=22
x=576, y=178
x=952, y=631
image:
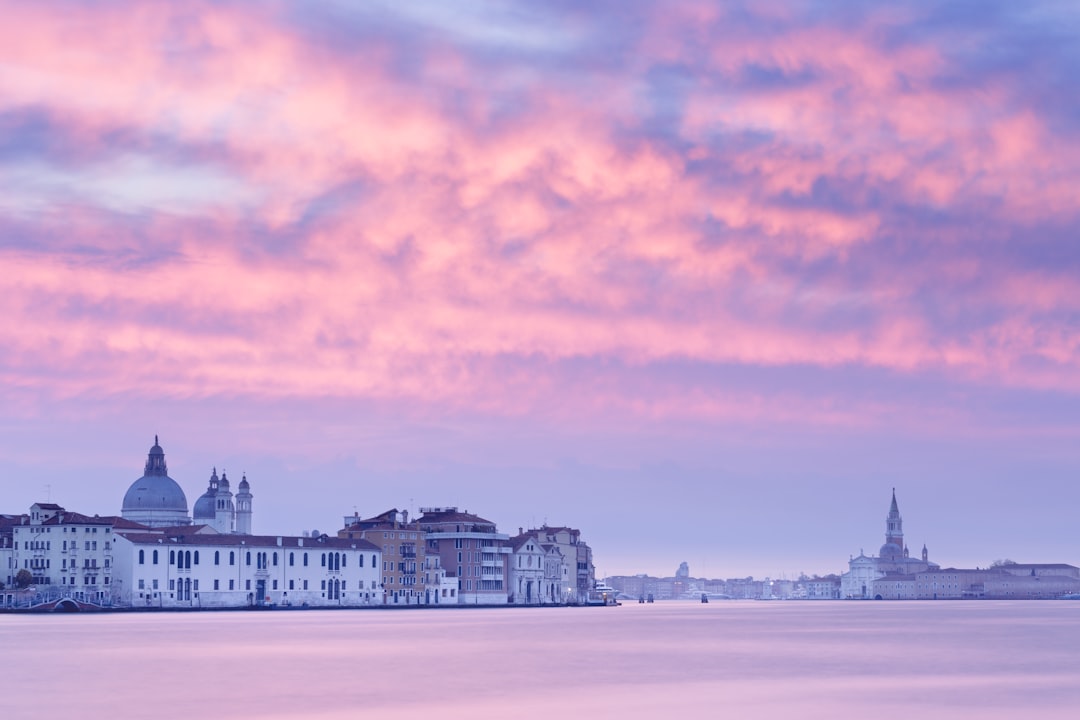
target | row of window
x=186, y=558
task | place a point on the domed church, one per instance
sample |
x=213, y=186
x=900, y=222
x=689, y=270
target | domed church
x=155, y=499
x=216, y=508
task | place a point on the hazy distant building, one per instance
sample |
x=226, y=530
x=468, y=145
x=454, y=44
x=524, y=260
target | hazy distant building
x=892, y=566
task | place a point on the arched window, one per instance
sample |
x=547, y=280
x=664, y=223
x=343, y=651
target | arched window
x=344, y=557
x=275, y=559
x=187, y=559
x=217, y=557
x=360, y=557
x=292, y=559
x=196, y=557
x=142, y=556
x=305, y=559
x=324, y=559
x=155, y=557
x=232, y=557
x=172, y=557
x=373, y=563
x=247, y=560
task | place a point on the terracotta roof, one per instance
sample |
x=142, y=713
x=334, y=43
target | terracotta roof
x=74, y=518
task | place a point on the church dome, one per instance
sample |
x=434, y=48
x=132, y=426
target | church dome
x=890, y=551
x=155, y=498
x=206, y=506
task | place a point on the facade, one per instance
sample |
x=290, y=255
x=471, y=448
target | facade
x=175, y=568
x=527, y=571
x=580, y=574
x=471, y=550
x=68, y=554
x=403, y=566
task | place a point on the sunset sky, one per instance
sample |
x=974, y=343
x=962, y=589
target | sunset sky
x=705, y=280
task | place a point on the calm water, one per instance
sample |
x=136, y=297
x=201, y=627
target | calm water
x=767, y=660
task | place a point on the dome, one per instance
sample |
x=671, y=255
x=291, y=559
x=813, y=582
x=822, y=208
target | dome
x=155, y=499
x=206, y=506
x=890, y=550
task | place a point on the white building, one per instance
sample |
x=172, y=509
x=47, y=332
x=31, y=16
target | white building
x=197, y=567
x=526, y=570
x=892, y=564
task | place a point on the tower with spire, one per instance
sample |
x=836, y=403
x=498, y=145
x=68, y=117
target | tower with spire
x=894, y=525
x=224, y=510
x=243, y=507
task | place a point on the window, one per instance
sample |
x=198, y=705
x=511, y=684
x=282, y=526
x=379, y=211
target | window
x=172, y=585
x=275, y=585
x=247, y=561
x=361, y=559
x=155, y=584
x=155, y=557
x=305, y=584
x=217, y=558
x=172, y=557
x=275, y=559
x=216, y=583
x=344, y=557
x=142, y=584
x=305, y=559
x=291, y=583
x=247, y=584
x=292, y=559
x=232, y=558
x=196, y=558
x=232, y=584
x=142, y=557
x=324, y=562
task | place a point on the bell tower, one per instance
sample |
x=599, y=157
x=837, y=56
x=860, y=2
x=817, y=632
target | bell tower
x=243, y=507
x=894, y=524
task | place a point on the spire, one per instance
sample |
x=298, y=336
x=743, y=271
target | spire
x=893, y=508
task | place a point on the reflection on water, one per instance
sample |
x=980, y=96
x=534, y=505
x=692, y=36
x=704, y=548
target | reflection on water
x=779, y=659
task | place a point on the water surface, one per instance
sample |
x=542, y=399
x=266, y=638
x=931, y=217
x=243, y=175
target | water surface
x=666, y=660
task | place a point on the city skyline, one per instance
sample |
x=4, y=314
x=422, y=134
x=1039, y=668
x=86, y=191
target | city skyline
x=702, y=279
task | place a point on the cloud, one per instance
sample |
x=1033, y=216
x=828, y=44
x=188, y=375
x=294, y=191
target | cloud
x=493, y=209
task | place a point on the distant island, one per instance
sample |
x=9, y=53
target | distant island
x=890, y=575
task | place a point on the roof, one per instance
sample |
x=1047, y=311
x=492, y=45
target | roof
x=74, y=518
x=452, y=516
x=49, y=506
x=260, y=541
x=518, y=541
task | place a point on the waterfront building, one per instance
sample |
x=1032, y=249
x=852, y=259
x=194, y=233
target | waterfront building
x=527, y=570
x=471, y=550
x=403, y=569
x=581, y=573
x=178, y=568
x=893, y=564
x=68, y=554
x=822, y=588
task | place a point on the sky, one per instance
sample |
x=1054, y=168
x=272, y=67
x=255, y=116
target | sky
x=705, y=280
